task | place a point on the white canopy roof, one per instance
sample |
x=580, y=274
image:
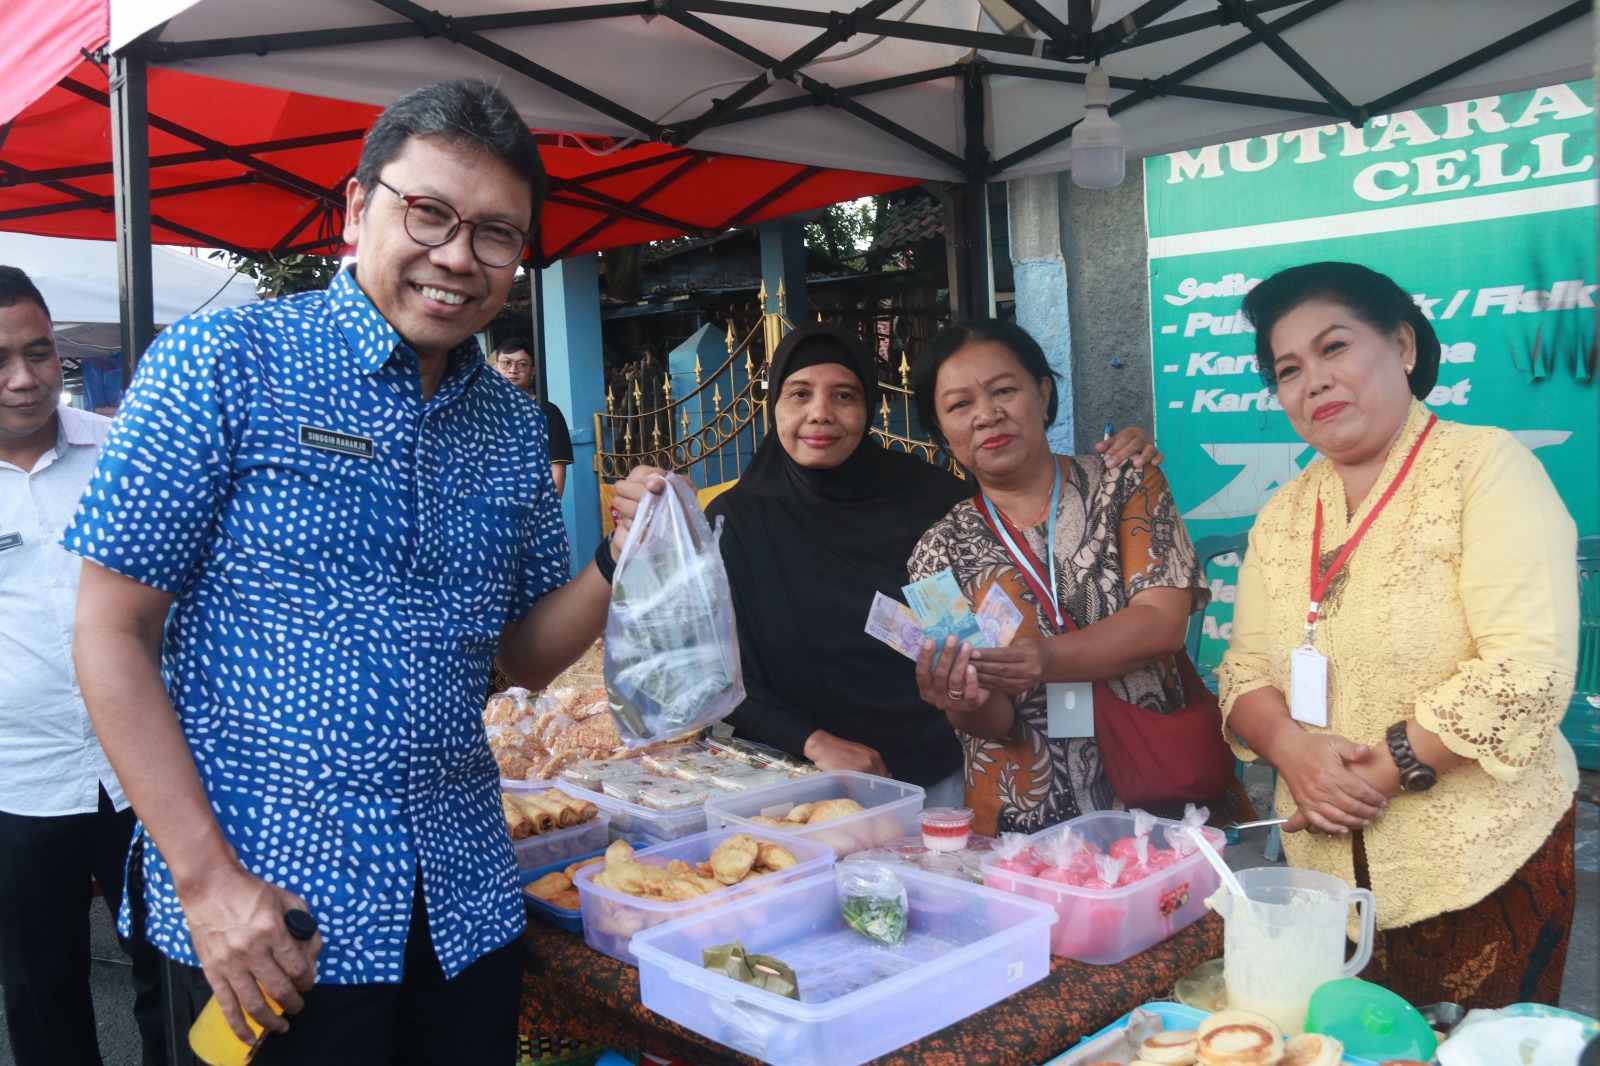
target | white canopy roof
x=883, y=88
x=79, y=282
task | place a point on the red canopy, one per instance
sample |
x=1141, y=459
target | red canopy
x=43, y=40
x=263, y=171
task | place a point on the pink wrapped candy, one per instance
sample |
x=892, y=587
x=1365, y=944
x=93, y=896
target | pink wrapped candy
x=1124, y=848
x=1133, y=872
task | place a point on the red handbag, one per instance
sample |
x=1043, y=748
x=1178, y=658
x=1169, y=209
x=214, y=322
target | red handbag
x=1151, y=759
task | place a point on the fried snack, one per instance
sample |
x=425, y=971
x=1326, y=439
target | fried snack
x=548, y=885
x=572, y=871
x=586, y=811
x=567, y=901
x=543, y=812
x=732, y=859
x=541, y=820
x=516, y=821
x=828, y=810
x=731, y=862
x=762, y=819
x=565, y=816
x=800, y=813
x=772, y=857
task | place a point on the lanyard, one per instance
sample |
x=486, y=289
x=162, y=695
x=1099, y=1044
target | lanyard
x=1321, y=581
x=1024, y=558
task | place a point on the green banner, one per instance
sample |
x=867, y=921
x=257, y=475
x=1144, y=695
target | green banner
x=1484, y=210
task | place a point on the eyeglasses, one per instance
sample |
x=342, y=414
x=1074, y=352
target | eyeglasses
x=431, y=222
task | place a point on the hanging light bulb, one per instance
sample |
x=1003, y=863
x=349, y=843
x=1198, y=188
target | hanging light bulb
x=1098, y=153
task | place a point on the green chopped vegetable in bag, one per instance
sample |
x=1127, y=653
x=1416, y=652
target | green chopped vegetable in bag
x=872, y=900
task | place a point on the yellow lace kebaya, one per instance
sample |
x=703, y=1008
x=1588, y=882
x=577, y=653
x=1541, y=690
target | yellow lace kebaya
x=1458, y=609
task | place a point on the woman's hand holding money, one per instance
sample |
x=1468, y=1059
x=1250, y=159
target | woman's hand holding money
x=1015, y=668
x=951, y=683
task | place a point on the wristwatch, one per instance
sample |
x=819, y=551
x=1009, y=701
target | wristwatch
x=1414, y=776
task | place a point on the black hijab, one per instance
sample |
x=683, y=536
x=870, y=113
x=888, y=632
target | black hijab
x=806, y=549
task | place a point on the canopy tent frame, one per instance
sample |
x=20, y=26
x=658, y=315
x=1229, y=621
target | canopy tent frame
x=1062, y=43
x=1038, y=54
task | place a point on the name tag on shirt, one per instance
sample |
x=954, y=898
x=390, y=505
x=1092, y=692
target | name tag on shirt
x=1069, y=708
x=1308, y=687
x=10, y=540
x=331, y=440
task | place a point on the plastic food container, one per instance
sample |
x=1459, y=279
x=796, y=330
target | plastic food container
x=636, y=822
x=545, y=911
x=1370, y=1021
x=891, y=809
x=945, y=828
x=1104, y=926
x=1174, y=1016
x=563, y=845
x=966, y=948
x=610, y=918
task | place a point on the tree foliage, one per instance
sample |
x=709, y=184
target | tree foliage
x=280, y=277
x=845, y=230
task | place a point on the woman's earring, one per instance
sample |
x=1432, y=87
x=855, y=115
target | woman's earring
x=1410, y=368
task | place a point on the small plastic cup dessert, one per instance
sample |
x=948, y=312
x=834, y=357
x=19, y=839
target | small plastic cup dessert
x=946, y=828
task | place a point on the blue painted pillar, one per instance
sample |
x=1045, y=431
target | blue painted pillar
x=575, y=370
x=783, y=258
x=1039, y=267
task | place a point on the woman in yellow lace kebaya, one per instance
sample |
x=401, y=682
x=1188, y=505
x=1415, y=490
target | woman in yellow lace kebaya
x=1412, y=709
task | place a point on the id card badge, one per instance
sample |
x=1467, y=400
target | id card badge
x=1070, y=709
x=1308, y=686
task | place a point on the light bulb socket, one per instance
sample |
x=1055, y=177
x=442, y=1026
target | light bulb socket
x=1099, y=154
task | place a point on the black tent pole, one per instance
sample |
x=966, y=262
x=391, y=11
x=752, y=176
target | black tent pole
x=969, y=289
x=130, y=161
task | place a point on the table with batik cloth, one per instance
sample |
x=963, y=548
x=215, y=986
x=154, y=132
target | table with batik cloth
x=575, y=992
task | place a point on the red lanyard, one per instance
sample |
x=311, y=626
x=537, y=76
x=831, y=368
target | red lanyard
x=1321, y=581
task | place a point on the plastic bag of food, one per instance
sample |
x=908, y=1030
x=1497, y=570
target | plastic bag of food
x=671, y=655
x=1180, y=836
x=872, y=899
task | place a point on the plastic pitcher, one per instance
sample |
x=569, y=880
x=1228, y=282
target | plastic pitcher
x=1289, y=938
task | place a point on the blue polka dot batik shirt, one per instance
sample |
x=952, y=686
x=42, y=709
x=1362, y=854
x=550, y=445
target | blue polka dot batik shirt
x=343, y=555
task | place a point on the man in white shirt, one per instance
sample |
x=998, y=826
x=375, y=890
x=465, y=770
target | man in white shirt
x=63, y=817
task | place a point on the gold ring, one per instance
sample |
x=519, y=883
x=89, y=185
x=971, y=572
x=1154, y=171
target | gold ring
x=957, y=694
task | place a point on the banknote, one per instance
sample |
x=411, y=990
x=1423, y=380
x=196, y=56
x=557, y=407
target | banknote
x=893, y=623
x=942, y=610
x=998, y=617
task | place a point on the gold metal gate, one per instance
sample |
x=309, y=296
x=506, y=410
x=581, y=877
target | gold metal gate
x=712, y=430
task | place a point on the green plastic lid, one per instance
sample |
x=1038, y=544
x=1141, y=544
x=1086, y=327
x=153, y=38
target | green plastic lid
x=1371, y=1022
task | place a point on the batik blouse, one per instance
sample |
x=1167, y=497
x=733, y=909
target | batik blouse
x=1118, y=533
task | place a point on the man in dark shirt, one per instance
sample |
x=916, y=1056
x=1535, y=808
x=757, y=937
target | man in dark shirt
x=515, y=364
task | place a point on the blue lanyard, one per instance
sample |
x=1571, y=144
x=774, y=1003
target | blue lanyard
x=1021, y=558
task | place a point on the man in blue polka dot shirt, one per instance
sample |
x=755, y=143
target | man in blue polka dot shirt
x=317, y=522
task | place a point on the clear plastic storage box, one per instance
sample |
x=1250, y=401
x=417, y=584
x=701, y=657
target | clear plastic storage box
x=1104, y=926
x=566, y=843
x=634, y=821
x=610, y=918
x=891, y=809
x=966, y=948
